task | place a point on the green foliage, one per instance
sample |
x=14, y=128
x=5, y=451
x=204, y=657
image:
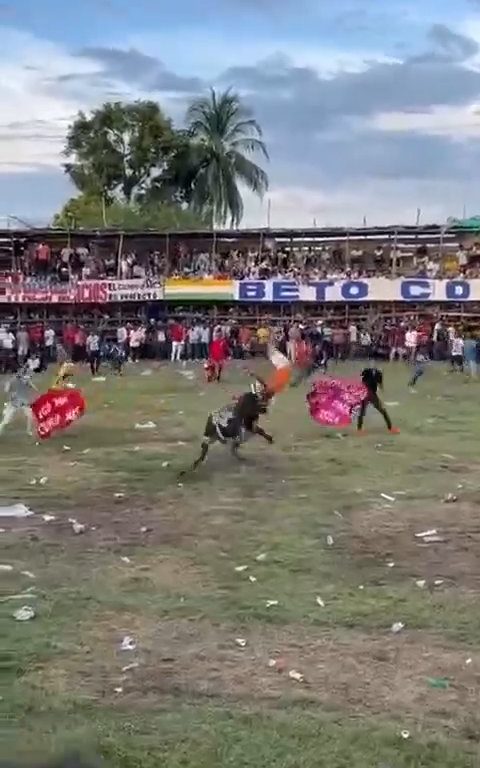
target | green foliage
x=144, y=172
x=85, y=212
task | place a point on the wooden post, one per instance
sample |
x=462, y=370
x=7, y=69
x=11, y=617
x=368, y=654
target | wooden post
x=119, y=254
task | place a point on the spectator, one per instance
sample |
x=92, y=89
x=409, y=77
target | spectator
x=177, y=335
x=49, y=342
x=79, y=345
x=23, y=345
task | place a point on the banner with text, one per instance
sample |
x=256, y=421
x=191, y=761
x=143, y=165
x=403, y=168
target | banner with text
x=368, y=289
x=83, y=292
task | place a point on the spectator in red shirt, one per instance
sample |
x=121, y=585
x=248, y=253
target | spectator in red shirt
x=79, y=345
x=68, y=338
x=42, y=258
x=178, y=334
x=217, y=354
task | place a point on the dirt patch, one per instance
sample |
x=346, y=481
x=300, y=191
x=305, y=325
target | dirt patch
x=383, y=534
x=352, y=672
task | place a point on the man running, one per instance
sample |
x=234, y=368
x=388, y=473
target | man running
x=372, y=379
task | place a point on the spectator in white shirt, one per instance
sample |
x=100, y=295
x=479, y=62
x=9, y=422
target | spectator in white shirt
x=137, y=338
x=205, y=342
x=456, y=359
x=411, y=343
x=93, y=352
x=49, y=340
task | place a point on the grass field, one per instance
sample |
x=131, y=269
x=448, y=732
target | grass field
x=162, y=563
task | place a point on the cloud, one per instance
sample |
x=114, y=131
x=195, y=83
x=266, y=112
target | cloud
x=133, y=67
x=449, y=46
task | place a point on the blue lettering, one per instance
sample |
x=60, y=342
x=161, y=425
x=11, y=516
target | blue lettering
x=354, y=290
x=457, y=290
x=285, y=290
x=321, y=289
x=415, y=290
x=251, y=290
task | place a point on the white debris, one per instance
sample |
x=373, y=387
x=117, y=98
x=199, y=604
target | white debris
x=252, y=579
x=33, y=481
x=180, y=413
x=241, y=568
x=99, y=378
x=272, y=663
x=450, y=498
x=405, y=734
x=23, y=596
x=421, y=583
x=43, y=480
x=261, y=558
x=391, y=564
x=387, y=497
x=15, y=510
x=330, y=541
x=360, y=586
x=119, y=495
x=338, y=514
x=145, y=529
x=241, y=642
x=468, y=661
x=137, y=448
x=125, y=560
x=397, y=627
x=146, y=425
x=6, y=568
x=271, y=603
x=131, y=666
x=392, y=404
x=119, y=689
x=48, y=518
x=146, y=372
x=165, y=464
x=66, y=448
x=181, y=443
x=128, y=643
x=72, y=463
x=24, y=614
x=78, y=527
x=438, y=582
x=297, y=676
x=320, y=602
x=422, y=534
x=447, y=456
x=86, y=450
x=28, y=574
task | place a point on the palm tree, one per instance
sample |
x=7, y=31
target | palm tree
x=223, y=133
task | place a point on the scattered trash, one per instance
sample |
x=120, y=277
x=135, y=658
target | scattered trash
x=330, y=541
x=131, y=666
x=179, y=485
x=145, y=529
x=165, y=464
x=28, y=574
x=397, y=627
x=431, y=532
x=15, y=510
x=137, y=448
x=125, y=560
x=387, y=497
x=43, y=480
x=405, y=734
x=66, y=448
x=72, y=463
x=459, y=486
x=468, y=661
x=240, y=642
x=180, y=413
x=180, y=442
x=278, y=664
x=241, y=568
x=78, y=527
x=432, y=539
x=23, y=596
x=450, y=498
x=438, y=582
x=86, y=450
x=6, y=568
x=320, y=602
x=146, y=425
x=261, y=558
x=33, y=481
x=119, y=495
x=338, y=514
x=391, y=564
x=421, y=583
x=441, y=683
x=128, y=644
x=361, y=586
x=252, y=579
x=146, y=372
x=48, y=518
x=447, y=456
x=24, y=614
x=99, y=378
x=399, y=493
x=271, y=603
x=297, y=676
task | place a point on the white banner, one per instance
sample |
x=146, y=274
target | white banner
x=362, y=290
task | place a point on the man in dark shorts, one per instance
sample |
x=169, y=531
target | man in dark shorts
x=372, y=379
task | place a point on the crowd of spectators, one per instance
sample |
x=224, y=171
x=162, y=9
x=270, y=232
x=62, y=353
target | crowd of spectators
x=39, y=263
x=178, y=339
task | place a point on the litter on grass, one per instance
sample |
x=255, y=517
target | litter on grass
x=6, y=568
x=15, y=510
x=128, y=643
x=271, y=603
x=24, y=614
x=297, y=676
x=146, y=425
x=241, y=642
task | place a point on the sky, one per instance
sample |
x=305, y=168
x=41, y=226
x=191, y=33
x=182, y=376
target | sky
x=370, y=109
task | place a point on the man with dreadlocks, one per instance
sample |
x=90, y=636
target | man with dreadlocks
x=372, y=379
x=20, y=392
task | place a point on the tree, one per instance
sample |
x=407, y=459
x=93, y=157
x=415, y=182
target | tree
x=223, y=133
x=84, y=212
x=117, y=150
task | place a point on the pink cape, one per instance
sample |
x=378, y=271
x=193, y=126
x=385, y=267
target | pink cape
x=56, y=409
x=331, y=401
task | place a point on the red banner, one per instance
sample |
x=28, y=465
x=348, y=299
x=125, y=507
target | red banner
x=83, y=292
x=57, y=409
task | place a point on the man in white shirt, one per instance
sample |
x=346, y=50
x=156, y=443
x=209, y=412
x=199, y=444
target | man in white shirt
x=411, y=343
x=122, y=339
x=456, y=359
x=93, y=351
x=352, y=339
x=137, y=338
x=7, y=350
x=205, y=342
x=49, y=341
